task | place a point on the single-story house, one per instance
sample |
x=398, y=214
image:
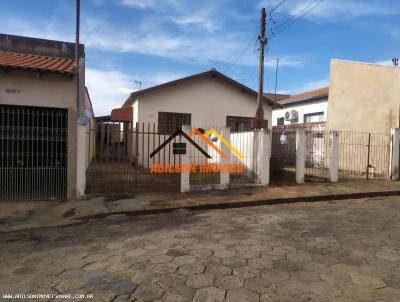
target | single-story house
x=43, y=126
x=205, y=99
x=306, y=107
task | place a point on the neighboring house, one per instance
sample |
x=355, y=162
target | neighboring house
x=43, y=133
x=303, y=108
x=363, y=97
x=205, y=99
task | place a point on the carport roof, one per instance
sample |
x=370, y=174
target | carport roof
x=36, y=62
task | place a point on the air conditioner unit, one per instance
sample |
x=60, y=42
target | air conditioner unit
x=291, y=115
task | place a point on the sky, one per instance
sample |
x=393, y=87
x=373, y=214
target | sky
x=154, y=41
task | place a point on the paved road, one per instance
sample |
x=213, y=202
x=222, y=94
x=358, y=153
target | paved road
x=337, y=251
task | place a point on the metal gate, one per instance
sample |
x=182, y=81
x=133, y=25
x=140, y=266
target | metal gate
x=283, y=156
x=317, y=155
x=33, y=153
x=120, y=158
x=364, y=155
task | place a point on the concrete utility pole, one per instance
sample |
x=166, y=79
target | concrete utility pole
x=77, y=65
x=260, y=111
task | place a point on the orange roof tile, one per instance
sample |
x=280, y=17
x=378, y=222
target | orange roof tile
x=307, y=95
x=36, y=62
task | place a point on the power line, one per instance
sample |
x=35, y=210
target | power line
x=296, y=17
x=252, y=40
x=276, y=6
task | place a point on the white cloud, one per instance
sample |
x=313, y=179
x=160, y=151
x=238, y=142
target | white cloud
x=200, y=20
x=339, y=9
x=204, y=47
x=163, y=77
x=306, y=87
x=138, y=3
x=286, y=61
x=180, y=47
x=109, y=89
x=45, y=30
x=384, y=62
x=315, y=84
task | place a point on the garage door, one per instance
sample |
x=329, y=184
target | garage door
x=33, y=153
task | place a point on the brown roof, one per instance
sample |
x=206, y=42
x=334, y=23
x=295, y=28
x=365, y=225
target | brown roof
x=312, y=94
x=36, y=62
x=279, y=97
x=210, y=73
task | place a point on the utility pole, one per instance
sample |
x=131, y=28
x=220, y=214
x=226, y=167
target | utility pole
x=77, y=65
x=259, y=121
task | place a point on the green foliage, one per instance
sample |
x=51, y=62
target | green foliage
x=276, y=167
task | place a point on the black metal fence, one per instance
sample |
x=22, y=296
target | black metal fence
x=242, y=141
x=203, y=175
x=317, y=155
x=245, y=142
x=121, y=162
x=283, y=156
x=364, y=155
x=33, y=153
x=361, y=155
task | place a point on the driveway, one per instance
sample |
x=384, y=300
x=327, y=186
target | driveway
x=328, y=251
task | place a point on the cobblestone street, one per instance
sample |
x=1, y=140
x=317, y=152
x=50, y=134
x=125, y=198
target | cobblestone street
x=328, y=251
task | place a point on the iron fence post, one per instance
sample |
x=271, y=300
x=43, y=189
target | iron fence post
x=368, y=154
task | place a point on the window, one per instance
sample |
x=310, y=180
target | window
x=314, y=117
x=169, y=122
x=280, y=121
x=238, y=123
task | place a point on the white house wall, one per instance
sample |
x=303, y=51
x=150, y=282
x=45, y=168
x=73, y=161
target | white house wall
x=209, y=101
x=302, y=109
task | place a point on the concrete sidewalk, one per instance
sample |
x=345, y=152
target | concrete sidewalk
x=21, y=215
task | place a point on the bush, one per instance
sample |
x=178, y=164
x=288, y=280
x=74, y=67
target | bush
x=276, y=167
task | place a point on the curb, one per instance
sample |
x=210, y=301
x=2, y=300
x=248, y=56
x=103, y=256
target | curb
x=248, y=203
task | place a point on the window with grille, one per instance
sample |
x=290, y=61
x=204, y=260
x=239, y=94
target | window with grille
x=314, y=117
x=238, y=123
x=169, y=122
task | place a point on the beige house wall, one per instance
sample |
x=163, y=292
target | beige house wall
x=208, y=100
x=363, y=97
x=47, y=90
